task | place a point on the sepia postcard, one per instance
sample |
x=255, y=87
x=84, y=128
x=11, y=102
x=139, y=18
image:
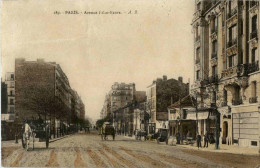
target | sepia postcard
x=130, y=83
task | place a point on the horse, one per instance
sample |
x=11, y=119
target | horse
x=26, y=135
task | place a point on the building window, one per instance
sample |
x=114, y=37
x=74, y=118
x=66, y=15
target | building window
x=198, y=6
x=214, y=25
x=12, y=76
x=254, y=89
x=214, y=49
x=232, y=36
x=11, y=93
x=254, y=23
x=253, y=55
x=231, y=61
x=225, y=97
x=253, y=33
x=198, y=75
x=197, y=33
x=198, y=55
x=11, y=109
x=214, y=70
x=11, y=101
x=12, y=84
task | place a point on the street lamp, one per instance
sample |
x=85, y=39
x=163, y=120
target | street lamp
x=16, y=125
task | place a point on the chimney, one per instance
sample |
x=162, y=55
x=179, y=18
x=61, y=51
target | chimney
x=40, y=60
x=164, y=78
x=180, y=79
x=19, y=60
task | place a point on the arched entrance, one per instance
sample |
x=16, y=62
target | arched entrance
x=225, y=132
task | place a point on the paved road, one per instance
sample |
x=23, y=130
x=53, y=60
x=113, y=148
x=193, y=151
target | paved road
x=88, y=150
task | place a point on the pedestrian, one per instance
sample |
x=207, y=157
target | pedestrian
x=198, y=140
x=206, y=140
x=178, y=137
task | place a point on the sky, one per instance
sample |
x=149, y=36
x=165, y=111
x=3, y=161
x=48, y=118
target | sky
x=96, y=50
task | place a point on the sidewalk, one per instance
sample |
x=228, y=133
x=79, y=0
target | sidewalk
x=12, y=142
x=226, y=149
x=211, y=148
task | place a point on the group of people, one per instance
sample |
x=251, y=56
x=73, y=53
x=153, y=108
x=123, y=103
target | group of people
x=206, y=140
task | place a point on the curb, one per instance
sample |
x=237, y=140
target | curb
x=56, y=139
x=219, y=151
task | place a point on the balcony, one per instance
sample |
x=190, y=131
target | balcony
x=232, y=13
x=240, y=70
x=237, y=102
x=253, y=99
x=253, y=34
x=253, y=67
x=232, y=42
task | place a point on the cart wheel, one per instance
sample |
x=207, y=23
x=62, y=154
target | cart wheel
x=47, y=142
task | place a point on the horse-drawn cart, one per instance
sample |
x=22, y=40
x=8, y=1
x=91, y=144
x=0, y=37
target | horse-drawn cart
x=36, y=129
x=107, y=129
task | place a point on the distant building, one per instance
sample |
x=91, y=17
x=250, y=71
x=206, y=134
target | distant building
x=10, y=82
x=160, y=94
x=119, y=106
x=42, y=88
x=4, y=98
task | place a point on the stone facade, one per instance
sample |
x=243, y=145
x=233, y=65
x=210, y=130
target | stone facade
x=226, y=66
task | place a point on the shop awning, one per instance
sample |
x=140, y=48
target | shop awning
x=201, y=116
x=191, y=116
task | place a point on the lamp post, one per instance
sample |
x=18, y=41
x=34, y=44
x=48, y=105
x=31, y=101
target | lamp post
x=16, y=126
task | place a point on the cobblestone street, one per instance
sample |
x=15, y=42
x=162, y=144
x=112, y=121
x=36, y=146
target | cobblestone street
x=88, y=150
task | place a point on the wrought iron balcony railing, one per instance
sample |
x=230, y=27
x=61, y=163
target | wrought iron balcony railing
x=253, y=99
x=210, y=80
x=253, y=67
x=253, y=34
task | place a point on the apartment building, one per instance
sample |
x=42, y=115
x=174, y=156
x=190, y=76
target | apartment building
x=226, y=69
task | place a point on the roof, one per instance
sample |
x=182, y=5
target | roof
x=187, y=101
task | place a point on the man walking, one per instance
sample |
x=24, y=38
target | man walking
x=206, y=140
x=198, y=140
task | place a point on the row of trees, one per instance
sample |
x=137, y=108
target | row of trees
x=41, y=103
